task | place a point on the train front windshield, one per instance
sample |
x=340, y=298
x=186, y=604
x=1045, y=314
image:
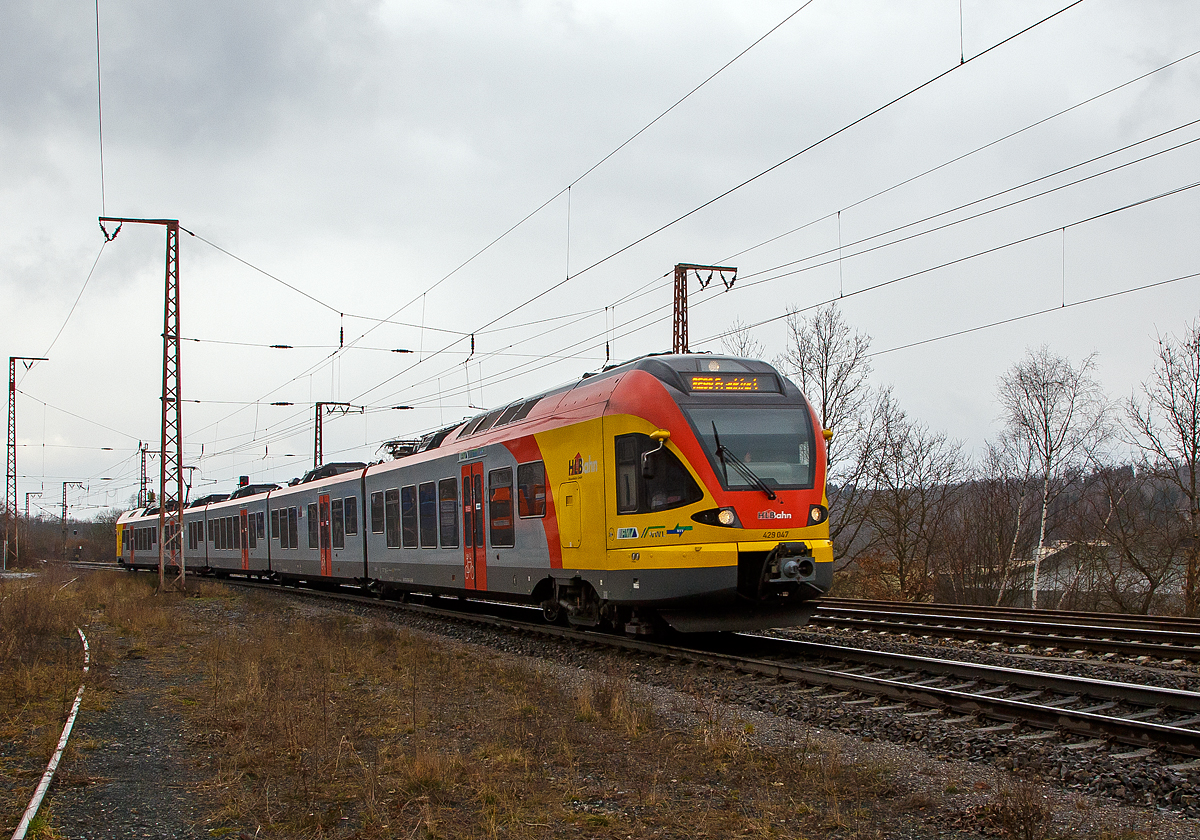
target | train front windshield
x=775, y=443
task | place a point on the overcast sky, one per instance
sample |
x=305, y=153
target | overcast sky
x=362, y=152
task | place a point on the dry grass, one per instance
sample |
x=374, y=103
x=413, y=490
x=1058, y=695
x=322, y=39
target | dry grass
x=322, y=724
x=342, y=726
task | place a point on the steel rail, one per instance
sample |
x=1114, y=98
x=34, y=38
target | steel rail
x=1043, y=639
x=1044, y=634
x=1089, y=724
x=1123, y=620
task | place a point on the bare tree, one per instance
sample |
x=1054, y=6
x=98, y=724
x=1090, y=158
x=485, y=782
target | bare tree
x=914, y=476
x=988, y=529
x=827, y=359
x=1167, y=429
x=1128, y=540
x=739, y=342
x=1058, y=414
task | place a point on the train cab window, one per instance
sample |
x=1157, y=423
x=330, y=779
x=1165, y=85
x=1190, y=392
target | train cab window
x=377, y=517
x=408, y=515
x=428, y=504
x=448, y=512
x=391, y=516
x=531, y=489
x=671, y=487
x=314, y=528
x=293, y=529
x=275, y=524
x=500, y=507
x=338, y=524
x=351, y=509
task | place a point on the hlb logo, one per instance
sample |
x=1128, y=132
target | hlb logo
x=772, y=514
x=578, y=466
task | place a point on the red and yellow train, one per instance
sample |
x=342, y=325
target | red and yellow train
x=685, y=489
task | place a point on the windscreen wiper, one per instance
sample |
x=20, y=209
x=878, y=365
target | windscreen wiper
x=727, y=457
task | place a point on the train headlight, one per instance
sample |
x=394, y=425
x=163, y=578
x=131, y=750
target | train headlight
x=817, y=514
x=725, y=517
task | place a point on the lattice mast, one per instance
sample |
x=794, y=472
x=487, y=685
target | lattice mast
x=679, y=334
x=170, y=453
x=318, y=433
x=66, y=484
x=10, y=472
x=143, y=500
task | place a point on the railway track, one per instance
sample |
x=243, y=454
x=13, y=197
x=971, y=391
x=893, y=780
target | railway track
x=1163, y=638
x=1096, y=711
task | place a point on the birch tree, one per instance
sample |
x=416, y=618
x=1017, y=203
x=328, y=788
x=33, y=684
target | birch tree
x=1057, y=414
x=827, y=359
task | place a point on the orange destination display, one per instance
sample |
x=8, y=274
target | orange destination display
x=733, y=382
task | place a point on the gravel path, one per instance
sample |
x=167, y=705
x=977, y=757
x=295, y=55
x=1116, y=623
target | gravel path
x=135, y=775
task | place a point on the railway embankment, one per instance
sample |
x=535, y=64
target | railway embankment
x=228, y=713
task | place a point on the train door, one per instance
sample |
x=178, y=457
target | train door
x=474, y=549
x=324, y=520
x=570, y=521
x=245, y=540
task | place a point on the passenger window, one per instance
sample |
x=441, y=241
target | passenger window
x=408, y=515
x=477, y=486
x=314, y=529
x=235, y=525
x=391, y=505
x=260, y=522
x=351, y=516
x=531, y=489
x=377, y=517
x=428, y=503
x=448, y=511
x=339, y=529
x=275, y=524
x=500, y=508
x=293, y=530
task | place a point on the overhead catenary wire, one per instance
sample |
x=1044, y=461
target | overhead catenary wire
x=740, y=185
x=1021, y=240
x=489, y=379
x=926, y=172
x=989, y=211
x=761, y=174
